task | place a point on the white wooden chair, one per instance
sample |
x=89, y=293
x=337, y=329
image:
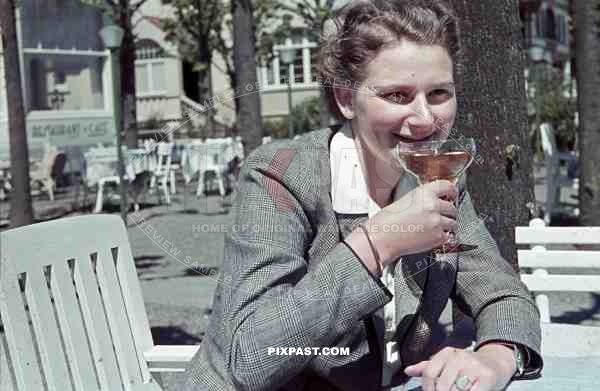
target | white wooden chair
x=42, y=172
x=73, y=312
x=540, y=258
x=559, y=339
x=555, y=181
x=202, y=158
x=163, y=172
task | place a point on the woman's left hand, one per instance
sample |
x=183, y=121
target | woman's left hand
x=489, y=368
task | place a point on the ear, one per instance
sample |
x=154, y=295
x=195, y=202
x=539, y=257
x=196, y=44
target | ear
x=343, y=98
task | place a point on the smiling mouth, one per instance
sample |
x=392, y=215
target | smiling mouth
x=408, y=140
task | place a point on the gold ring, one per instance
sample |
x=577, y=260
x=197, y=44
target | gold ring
x=463, y=383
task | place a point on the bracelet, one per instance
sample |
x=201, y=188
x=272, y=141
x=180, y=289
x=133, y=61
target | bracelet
x=373, y=249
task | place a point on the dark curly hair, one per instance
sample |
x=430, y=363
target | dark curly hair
x=361, y=28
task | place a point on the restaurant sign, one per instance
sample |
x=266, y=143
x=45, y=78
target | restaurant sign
x=69, y=132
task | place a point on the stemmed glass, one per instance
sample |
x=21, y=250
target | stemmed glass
x=429, y=161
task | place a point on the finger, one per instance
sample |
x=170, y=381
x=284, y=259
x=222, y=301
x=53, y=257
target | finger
x=433, y=371
x=448, y=224
x=479, y=385
x=443, y=189
x=446, y=380
x=447, y=209
x=416, y=370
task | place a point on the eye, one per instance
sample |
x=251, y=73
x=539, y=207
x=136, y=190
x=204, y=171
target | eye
x=440, y=95
x=398, y=97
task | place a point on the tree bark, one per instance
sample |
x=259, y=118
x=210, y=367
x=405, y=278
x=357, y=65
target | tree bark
x=492, y=109
x=205, y=92
x=21, y=211
x=323, y=109
x=127, y=61
x=249, y=120
x=587, y=56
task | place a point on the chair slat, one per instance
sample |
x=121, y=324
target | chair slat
x=117, y=318
x=557, y=235
x=70, y=318
x=116, y=341
x=134, y=302
x=19, y=339
x=569, y=283
x=47, y=335
x=550, y=259
x=96, y=324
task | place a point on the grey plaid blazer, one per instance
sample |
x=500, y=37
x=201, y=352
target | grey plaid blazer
x=288, y=280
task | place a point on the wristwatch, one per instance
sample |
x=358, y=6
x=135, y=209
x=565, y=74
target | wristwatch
x=520, y=357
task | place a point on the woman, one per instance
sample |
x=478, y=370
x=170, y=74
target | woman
x=323, y=251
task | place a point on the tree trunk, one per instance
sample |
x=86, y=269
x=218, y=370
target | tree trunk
x=21, y=211
x=127, y=61
x=249, y=121
x=205, y=92
x=323, y=109
x=493, y=110
x=587, y=56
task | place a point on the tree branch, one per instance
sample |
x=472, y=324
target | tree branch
x=137, y=6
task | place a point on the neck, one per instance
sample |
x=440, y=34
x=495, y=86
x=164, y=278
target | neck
x=380, y=177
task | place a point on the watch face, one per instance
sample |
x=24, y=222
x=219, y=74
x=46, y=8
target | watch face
x=520, y=360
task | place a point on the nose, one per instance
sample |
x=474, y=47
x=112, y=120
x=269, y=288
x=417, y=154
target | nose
x=421, y=119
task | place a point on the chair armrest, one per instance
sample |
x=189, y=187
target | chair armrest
x=170, y=358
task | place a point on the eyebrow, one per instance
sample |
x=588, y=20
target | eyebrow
x=398, y=86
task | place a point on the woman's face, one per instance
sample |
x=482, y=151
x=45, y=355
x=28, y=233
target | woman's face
x=406, y=96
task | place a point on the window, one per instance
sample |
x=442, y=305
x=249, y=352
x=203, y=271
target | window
x=158, y=76
x=563, y=29
x=64, y=82
x=149, y=68
x=550, y=24
x=150, y=77
x=141, y=79
x=268, y=72
x=298, y=67
x=314, y=73
x=539, y=25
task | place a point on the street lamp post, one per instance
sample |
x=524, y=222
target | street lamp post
x=112, y=36
x=287, y=57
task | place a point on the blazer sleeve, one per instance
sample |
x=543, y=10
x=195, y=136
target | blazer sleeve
x=276, y=298
x=491, y=292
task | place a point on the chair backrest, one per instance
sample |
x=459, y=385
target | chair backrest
x=72, y=307
x=50, y=154
x=540, y=258
x=164, y=153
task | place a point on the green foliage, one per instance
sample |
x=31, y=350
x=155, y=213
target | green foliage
x=305, y=116
x=275, y=128
x=313, y=14
x=550, y=100
x=196, y=29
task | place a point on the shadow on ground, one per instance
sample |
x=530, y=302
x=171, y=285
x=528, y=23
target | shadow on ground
x=147, y=261
x=173, y=335
x=201, y=271
x=581, y=315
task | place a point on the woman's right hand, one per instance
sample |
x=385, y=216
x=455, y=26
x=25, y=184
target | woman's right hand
x=417, y=222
